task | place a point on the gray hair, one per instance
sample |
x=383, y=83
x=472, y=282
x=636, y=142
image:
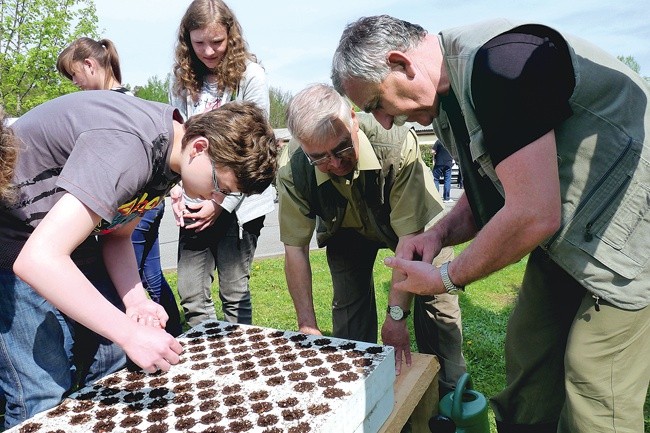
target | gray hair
x=312, y=113
x=364, y=45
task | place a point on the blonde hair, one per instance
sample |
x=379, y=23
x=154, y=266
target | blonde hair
x=189, y=71
x=103, y=51
x=8, y=158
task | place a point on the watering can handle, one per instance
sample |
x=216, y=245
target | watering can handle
x=465, y=382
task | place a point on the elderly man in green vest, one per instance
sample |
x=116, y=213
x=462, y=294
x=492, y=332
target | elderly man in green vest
x=366, y=188
x=552, y=138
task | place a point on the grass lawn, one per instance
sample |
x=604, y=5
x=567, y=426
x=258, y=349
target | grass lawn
x=485, y=306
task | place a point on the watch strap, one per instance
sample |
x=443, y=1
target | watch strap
x=449, y=285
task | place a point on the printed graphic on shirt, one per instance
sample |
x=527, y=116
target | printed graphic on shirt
x=208, y=102
x=127, y=212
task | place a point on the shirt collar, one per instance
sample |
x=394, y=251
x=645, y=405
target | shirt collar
x=367, y=160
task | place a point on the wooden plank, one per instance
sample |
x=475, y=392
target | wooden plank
x=415, y=387
x=425, y=409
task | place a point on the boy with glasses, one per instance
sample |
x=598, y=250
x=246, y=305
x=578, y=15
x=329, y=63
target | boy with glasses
x=89, y=166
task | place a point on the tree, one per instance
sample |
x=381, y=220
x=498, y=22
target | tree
x=631, y=62
x=279, y=102
x=155, y=89
x=32, y=34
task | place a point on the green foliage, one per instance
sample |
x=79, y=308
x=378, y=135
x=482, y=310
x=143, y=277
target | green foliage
x=631, y=62
x=279, y=101
x=427, y=154
x=155, y=89
x=32, y=33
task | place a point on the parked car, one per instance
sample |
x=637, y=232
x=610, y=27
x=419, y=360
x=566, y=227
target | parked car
x=455, y=172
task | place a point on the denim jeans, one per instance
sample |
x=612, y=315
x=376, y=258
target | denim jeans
x=147, y=253
x=218, y=247
x=443, y=171
x=44, y=354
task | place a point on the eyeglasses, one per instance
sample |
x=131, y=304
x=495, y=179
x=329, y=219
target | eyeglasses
x=338, y=155
x=219, y=190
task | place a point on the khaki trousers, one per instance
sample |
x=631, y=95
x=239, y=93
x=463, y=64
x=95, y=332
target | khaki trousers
x=569, y=363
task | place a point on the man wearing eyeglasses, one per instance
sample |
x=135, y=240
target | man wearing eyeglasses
x=367, y=188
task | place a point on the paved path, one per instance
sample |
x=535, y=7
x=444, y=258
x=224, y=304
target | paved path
x=269, y=244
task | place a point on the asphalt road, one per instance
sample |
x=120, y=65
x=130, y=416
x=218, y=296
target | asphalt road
x=268, y=245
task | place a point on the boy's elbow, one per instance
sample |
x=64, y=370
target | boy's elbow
x=25, y=263
x=20, y=266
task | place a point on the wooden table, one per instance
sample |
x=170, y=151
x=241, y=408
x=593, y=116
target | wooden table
x=416, y=395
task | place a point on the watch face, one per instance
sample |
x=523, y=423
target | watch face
x=396, y=313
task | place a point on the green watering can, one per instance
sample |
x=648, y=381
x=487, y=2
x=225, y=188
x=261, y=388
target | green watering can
x=461, y=411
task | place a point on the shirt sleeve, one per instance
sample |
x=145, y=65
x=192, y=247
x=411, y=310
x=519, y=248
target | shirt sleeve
x=254, y=88
x=177, y=101
x=521, y=84
x=296, y=228
x=413, y=200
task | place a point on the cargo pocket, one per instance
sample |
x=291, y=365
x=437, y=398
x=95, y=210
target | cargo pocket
x=618, y=238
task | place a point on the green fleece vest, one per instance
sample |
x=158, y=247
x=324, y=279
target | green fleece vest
x=328, y=205
x=603, y=160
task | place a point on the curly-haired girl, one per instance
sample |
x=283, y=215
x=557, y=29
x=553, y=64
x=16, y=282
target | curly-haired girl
x=213, y=67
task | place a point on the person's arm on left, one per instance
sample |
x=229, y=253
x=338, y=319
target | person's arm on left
x=119, y=259
x=413, y=204
x=45, y=263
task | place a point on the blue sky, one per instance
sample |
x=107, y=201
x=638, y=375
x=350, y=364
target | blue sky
x=295, y=39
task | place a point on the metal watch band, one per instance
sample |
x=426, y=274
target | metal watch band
x=449, y=285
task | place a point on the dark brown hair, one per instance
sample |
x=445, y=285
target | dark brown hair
x=241, y=139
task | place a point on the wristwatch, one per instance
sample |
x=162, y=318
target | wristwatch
x=451, y=288
x=396, y=312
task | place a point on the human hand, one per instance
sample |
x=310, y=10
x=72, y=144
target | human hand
x=178, y=204
x=310, y=330
x=201, y=215
x=152, y=349
x=395, y=333
x=424, y=246
x=418, y=277
x=148, y=313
